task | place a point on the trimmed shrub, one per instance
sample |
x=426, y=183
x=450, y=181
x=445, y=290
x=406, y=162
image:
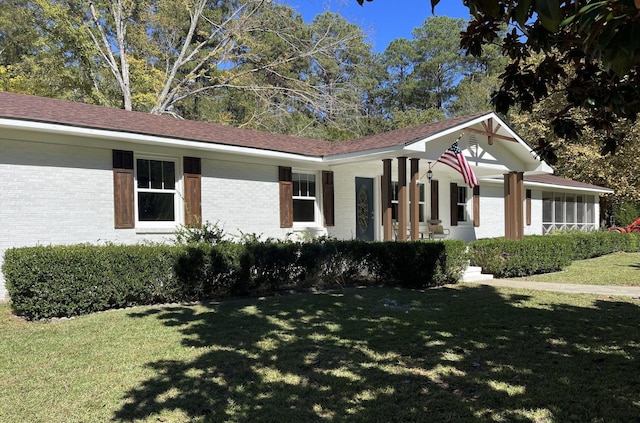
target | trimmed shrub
x=46, y=282
x=598, y=243
x=531, y=255
x=58, y=281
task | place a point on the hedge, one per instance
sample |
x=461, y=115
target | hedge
x=57, y=281
x=549, y=253
x=528, y=256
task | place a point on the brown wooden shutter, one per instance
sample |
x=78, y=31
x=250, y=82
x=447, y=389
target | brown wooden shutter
x=453, y=195
x=476, y=206
x=435, y=203
x=286, y=197
x=528, y=207
x=192, y=191
x=327, y=198
x=123, y=195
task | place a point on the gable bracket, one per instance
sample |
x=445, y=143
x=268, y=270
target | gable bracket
x=490, y=132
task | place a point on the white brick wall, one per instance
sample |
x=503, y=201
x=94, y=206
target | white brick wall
x=242, y=198
x=56, y=194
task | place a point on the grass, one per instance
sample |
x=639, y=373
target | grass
x=622, y=269
x=456, y=354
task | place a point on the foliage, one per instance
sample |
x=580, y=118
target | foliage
x=46, y=282
x=207, y=233
x=599, y=43
x=543, y=254
x=57, y=281
x=250, y=63
x=592, y=49
x=528, y=256
x=626, y=213
x=582, y=159
x=428, y=78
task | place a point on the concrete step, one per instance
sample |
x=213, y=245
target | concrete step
x=474, y=273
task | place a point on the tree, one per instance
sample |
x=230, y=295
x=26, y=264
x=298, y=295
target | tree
x=582, y=159
x=251, y=63
x=441, y=61
x=599, y=41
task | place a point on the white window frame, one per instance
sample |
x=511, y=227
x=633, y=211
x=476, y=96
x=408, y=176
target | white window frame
x=178, y=215
x=464, y=204
x=316, y=198
x=559, y=204
x=422, y=200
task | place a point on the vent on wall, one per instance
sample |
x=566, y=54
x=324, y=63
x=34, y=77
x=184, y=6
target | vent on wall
x=473, y=145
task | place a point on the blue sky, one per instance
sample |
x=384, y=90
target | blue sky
x=382, y=20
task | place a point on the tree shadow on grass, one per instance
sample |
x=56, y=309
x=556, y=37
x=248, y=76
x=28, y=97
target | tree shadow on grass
x=464, y=354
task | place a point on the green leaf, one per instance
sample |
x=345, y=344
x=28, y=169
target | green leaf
x=490, y=7
x=549, y=13
x=434, y=3
x=522, y=11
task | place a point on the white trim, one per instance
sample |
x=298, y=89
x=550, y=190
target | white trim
x=317, y=206
x=178, y=195
x=554, y=186
x=130, y=137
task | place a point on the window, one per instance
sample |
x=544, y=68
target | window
x=422, y=203
x=156, y=190
x=567, y=211
x=462, y=204
x=304, y=197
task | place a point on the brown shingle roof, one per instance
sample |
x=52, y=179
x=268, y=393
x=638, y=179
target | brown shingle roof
x=47, y=110
x=31, y=108
x=400, y=137
x=556, y=180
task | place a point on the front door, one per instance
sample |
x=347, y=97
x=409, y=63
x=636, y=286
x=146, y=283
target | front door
x=364, y=209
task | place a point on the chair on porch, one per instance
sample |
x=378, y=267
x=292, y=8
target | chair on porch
x=421, y=233
x=436, y=230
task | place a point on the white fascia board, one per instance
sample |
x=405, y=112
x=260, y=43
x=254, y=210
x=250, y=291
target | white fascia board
x=363, y=156
x=567, y=188
x=554, y=186
x=131, y=137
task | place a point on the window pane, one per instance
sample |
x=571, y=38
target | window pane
x=462, y=216
x=571, y=208
x=158, y=207
x=169, y=175
x=296, y=184
x=156, y=174
x=581, y=209
x=311, y=185
x=547, y=207
x=591, y=210
x=394, y=191
x=559, y=208
x=303, y=210
x=143, y=173
x=422, y=206
x=304, y=185
x=462, y=195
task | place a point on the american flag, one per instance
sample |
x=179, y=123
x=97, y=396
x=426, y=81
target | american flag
x=454, y=158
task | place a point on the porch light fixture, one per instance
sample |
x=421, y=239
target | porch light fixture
x=429, y=173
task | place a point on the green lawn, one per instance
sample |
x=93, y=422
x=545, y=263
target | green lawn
x=613, y=269
x=455, y=354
